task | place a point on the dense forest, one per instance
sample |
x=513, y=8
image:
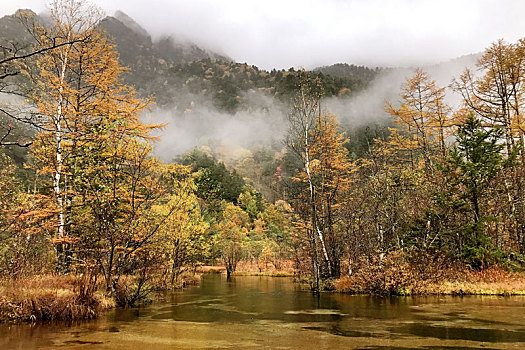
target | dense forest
x=385, y=208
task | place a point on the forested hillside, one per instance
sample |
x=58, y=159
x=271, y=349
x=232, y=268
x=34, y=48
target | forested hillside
x=167, y=68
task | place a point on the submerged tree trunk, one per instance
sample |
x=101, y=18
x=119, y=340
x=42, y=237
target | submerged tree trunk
x=315, y=228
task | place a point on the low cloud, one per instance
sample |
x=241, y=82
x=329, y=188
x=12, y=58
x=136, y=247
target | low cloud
x=281, y=34
x=264, y=123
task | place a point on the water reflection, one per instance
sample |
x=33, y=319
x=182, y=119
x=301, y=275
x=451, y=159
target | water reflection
x=254, y=312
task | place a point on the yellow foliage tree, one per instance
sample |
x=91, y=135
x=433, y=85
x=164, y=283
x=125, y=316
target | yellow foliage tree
x=424, y=116
x=92, y=145
x=182, y=240
x=232, y=232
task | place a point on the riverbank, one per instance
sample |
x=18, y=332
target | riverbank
x=71, y=297
x=251, y=268
x=493, y=281
x=50, y=298
x=266, y=312
x=401, y=280
x=65, y=298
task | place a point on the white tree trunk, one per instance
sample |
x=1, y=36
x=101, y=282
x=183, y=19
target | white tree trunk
x=312, y=197
x=59, y=166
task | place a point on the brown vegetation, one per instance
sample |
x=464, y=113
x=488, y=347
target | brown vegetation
x=49, y=298
x=397, y=276
x=285, y=268
x=251, y=268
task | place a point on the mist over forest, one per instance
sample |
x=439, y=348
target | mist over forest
x=207, y=99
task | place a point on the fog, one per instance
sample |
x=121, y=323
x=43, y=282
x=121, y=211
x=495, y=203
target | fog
x=271, y=34
x=310, y=33
x=368, y=106
x=263, y=124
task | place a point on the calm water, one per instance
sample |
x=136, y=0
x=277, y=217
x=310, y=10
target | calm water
x=265, y=312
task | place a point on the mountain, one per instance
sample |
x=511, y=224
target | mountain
x=198, y=92
x=12, y=28
x=130, y=23
x=149, y=61
x=180, y=74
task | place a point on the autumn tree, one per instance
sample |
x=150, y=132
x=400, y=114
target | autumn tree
x=301, y=137
x=390, y=189
x=14, y=243
x=269, y=239
x=64, y=93
x=424, y=115
x=332, y=169
x=85, y=109
x=17, y=66
x=231, y=235
x=182, y=240
x=495, y=94
x=314, y=137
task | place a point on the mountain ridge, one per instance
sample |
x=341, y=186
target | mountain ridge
x=168, y=67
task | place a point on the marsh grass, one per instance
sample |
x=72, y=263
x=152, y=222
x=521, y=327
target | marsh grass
x=493, y=281
x=51, y=297
x=248, y=268
x=396, y=277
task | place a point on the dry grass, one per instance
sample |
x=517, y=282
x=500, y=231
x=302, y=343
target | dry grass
x=49, y=297
x=211, y=269
x=494, y=281
x=249, y=268
x=453, y=281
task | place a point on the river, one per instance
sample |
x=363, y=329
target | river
x=275, y=313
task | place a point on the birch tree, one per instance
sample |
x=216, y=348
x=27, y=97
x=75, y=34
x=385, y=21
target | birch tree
x=301, y=138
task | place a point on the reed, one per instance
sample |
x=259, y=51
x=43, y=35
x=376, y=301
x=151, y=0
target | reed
x=51, y=297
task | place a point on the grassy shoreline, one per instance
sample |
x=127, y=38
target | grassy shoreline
x=248, y=268
x=50, y=298
x=453, y=281
x=61, y=298
x=493, y=281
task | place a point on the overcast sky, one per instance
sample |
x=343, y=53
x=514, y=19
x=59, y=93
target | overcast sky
x=309, y=33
